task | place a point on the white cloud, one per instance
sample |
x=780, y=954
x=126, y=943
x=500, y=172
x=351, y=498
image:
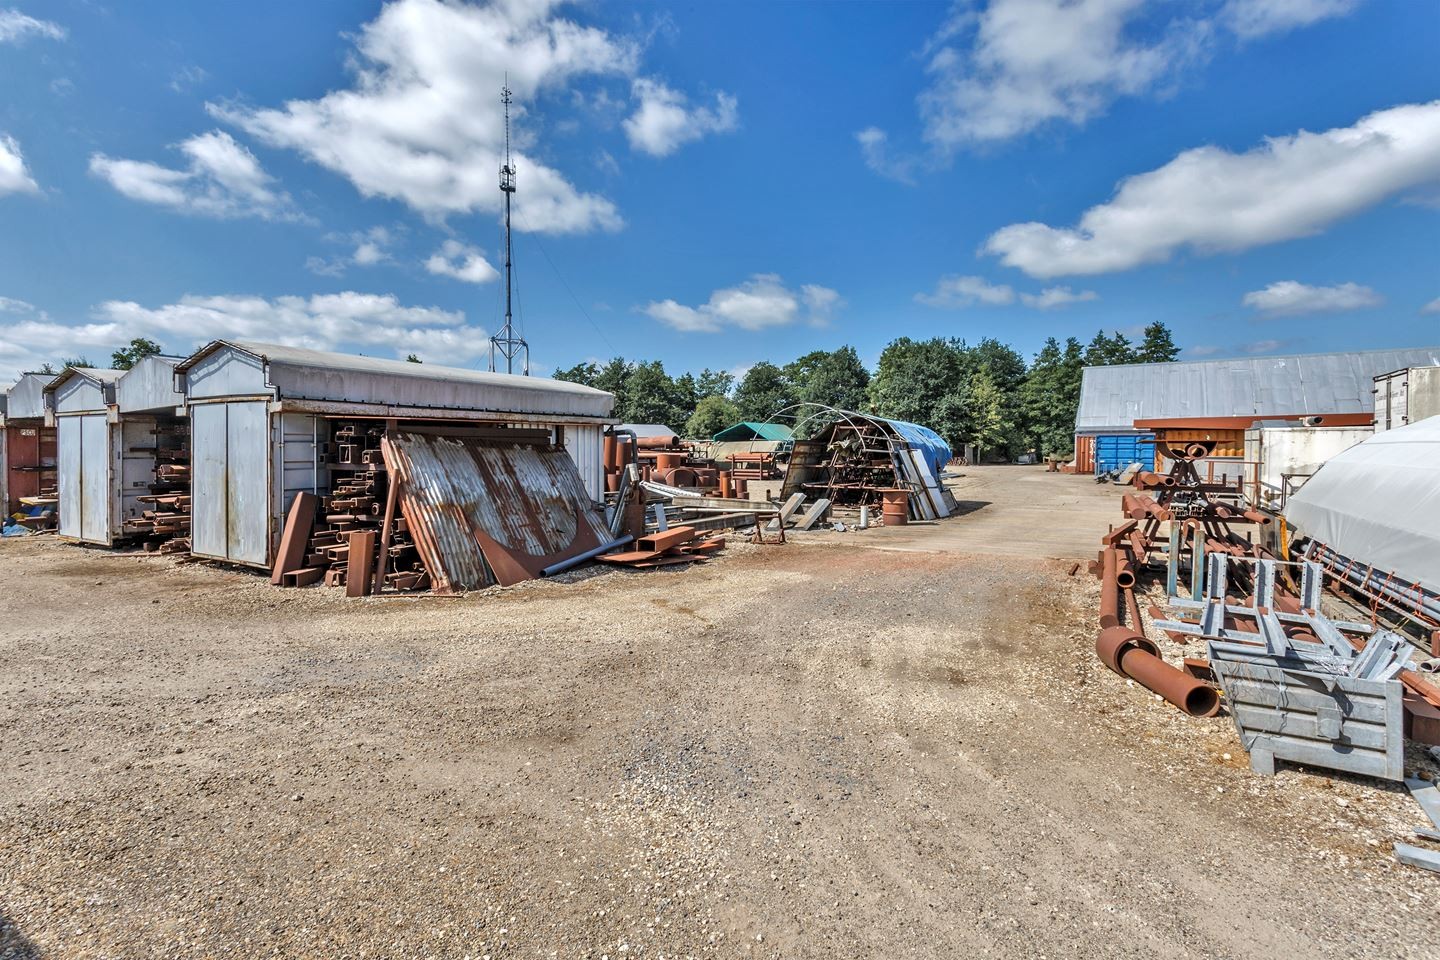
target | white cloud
x=663, y=122
x=1211, y=200
x=186, y=77
x=377, y=324
x=1255, y=18
x=955, y=292
x=1289, y=297
x=461, y=262
x=11, y=305
x=1005, y=68
x=223, y=179
x=1019, y=64
x=1432, y=307
x=371, y=247
x=14, y=176
x=422, y=122
x=875, y=151
x=16, y=26
x=760, y=302
x=1052, y=297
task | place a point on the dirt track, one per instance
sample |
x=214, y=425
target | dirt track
x=798, y=751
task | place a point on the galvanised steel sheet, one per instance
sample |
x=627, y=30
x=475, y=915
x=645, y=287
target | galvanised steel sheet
x=96, y=490
x=70, y=445
x=456, y=492
x=26, y=400
x=247, y=482
x=247, y=368
x=1112, y=398
x=230, y=481
x=149, y=387
x=208, y=497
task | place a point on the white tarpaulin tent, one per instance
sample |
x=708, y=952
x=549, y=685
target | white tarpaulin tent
x=1379, y=503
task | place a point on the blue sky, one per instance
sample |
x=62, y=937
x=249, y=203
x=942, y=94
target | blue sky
x=717, y=184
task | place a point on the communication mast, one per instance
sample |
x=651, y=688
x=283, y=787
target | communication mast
x=505, y=341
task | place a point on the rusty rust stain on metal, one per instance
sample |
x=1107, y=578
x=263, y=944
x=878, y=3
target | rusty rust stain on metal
x=483, y=512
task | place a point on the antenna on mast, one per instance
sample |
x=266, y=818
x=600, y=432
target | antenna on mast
x=505, y=341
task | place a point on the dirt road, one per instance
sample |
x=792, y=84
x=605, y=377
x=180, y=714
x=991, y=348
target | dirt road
x=797, y=751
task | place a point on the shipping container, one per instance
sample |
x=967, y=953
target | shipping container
x=1116, y=451
x=1285, y=455
x=1408, y=395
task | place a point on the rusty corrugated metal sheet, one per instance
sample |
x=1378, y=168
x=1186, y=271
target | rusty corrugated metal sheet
x=483, y=512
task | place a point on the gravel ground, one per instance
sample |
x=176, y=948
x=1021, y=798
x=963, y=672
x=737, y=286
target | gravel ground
x=811, y=750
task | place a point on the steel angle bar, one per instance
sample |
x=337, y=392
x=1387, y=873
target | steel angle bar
x=1418, y=857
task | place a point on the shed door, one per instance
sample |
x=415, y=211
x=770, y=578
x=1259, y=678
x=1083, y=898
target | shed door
x=230, y=495
x=95, y=478
x=84, y=477
x=69, y=479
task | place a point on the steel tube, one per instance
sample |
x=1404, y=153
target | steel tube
x=1192, y=696
x=1147, y=478
x=591, y=554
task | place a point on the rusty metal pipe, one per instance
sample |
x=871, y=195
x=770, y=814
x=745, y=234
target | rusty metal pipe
x=1146, y=478
x=1255, y=516
x=1189, y=694
x=1197, y=450
x=1109, y=590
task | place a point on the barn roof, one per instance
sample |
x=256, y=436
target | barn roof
x=299, y=373
x=1112, y=398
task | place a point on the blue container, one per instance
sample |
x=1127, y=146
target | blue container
x=1116, y=451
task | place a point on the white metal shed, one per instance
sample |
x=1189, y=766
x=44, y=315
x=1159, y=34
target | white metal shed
x=88, y=443
x=259, y=426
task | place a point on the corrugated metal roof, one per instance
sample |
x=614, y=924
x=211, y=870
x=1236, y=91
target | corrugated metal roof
x=649, y=429
x=1114, y=397
x=750, y=430
x=304, y=374
x=471, y=505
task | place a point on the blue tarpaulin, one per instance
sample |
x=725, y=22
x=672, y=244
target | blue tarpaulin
x=936, y=450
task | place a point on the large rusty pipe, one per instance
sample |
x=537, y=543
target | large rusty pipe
x=1147, y=478
x=1192, y=696
x=1136, y=656
x=1255, y=516
x=1197, y=450
x=1109, y=590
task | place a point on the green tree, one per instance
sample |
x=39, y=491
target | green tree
x=411, y=358
x=1050, y=396
x=139, y=349
x=925, y=382
x=714, y=383
x=650, y=396
x=835, y=378
x=712, y=414
x=580, y=373
x=1157, y=345
x=991, y=428
x=83, y=362
x=1104, y=350
x=763, y=392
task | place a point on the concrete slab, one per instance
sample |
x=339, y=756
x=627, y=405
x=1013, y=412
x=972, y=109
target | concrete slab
x=1017, y=511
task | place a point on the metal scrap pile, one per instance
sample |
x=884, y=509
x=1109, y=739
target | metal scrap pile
x=164, y=525
x=856, y=460
x=1299, y=685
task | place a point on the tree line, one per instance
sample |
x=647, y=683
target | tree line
x=985, y=394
